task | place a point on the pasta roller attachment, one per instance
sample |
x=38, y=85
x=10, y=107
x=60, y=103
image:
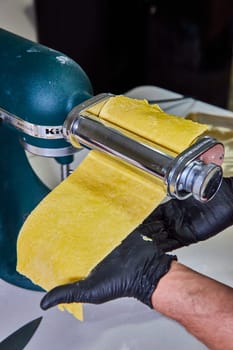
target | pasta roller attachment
x=196, y=171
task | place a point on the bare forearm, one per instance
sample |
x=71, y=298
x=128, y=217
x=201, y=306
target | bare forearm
x=202, y=305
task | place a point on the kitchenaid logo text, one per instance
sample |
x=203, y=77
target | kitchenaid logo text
x=53, y=131
x=40, y=131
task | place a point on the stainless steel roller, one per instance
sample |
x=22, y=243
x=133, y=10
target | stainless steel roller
x=184, y=175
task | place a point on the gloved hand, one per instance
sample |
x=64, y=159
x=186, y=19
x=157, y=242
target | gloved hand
x=176, y=223
x=133, y=269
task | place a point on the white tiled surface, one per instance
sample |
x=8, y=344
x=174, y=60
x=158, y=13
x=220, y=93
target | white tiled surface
x=121, y=324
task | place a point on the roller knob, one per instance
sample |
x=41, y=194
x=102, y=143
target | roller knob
x=200, y=179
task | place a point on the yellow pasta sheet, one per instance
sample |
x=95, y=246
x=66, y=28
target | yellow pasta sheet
x=97, y=206
x=149, y=121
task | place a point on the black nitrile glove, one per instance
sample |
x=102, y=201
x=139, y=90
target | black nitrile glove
x=175, y=223
x=133, y=269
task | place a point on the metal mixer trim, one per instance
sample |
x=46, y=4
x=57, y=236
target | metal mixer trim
x=49, y=132
x=49, y=152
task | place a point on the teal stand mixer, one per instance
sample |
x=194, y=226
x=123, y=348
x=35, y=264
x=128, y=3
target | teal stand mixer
x=44, y=101
x=29, y=100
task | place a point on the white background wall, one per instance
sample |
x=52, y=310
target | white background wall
x=18, y=16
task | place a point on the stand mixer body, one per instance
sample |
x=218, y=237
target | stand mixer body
x=39, y=87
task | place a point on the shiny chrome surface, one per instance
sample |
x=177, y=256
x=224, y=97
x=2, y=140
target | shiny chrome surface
x=183, y=175
x=48, y=152
x=187, y=174
x=92, y=133
x=39, y=131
